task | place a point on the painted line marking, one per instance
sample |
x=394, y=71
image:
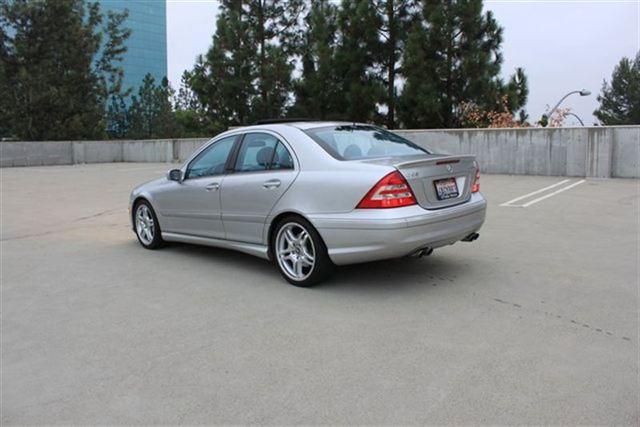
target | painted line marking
x=546, y=196
x=533, y=193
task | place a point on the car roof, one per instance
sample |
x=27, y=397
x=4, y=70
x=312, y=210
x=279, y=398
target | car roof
x=302, y=125
x=312, y=125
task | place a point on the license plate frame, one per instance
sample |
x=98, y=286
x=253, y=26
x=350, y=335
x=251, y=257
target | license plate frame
x=446, y=188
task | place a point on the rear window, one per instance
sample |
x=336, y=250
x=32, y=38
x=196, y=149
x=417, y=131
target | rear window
x=350, y=142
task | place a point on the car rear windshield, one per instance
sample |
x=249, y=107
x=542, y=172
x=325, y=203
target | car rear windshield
x=350, y=142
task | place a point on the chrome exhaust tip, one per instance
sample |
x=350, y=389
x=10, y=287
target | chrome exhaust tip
x=422, y=252
x=471, y=237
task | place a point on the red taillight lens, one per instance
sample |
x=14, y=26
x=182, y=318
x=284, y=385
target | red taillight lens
x=476, y=182
x=392, y=191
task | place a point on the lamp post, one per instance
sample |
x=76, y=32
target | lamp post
x=583, y=92
x=576, y=116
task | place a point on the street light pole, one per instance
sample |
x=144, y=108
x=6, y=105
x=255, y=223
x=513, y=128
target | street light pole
x=576, y=116
x=583, y=92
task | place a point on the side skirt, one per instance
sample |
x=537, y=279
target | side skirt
x=248, y=248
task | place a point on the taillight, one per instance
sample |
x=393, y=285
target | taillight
x=476, y=182
x=392, y=191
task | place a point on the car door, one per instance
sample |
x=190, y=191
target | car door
x=192, y=206
x=263, y=170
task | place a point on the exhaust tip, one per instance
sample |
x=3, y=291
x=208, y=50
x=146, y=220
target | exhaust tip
x=422, y=252
x=471, y=237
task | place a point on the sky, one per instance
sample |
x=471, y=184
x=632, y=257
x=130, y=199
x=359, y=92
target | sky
x=563, y=45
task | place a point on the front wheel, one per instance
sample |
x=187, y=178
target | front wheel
x=147, y=226
x=299, y=252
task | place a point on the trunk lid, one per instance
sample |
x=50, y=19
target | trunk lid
x=430, y=174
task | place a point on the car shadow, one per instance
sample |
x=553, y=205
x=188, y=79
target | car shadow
x=230, y=257
x=394, y=275
x=397, y=274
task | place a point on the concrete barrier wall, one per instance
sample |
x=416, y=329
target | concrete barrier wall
x=45, y=153
x=603, y=152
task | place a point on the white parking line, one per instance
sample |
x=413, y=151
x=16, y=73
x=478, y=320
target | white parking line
x=546, y=196
x=533, y=193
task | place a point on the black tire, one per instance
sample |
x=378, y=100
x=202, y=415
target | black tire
x=322, y=266
x=156, y=242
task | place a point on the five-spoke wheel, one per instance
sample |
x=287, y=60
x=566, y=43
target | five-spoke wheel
x=295, y=251
x=299, y=252
x=146, y=225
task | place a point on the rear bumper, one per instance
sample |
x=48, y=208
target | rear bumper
x=373, y=234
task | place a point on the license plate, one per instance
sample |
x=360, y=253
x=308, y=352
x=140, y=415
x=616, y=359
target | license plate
x=446, y=188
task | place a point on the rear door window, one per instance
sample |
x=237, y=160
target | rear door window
x=262, y=151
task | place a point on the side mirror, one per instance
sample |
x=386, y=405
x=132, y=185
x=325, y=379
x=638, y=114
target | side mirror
x=175, y=175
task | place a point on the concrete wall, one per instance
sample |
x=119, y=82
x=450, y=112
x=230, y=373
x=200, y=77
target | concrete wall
x=44, y=153
x=603, y=152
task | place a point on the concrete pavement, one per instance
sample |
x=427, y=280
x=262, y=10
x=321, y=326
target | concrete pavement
x=536, y=322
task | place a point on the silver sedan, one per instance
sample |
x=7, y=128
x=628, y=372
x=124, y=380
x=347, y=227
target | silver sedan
x=311, y=195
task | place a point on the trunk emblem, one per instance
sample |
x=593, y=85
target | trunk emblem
x=449, y=168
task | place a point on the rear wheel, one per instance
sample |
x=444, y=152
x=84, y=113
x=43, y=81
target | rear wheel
x=299, y=252
x=147, y=226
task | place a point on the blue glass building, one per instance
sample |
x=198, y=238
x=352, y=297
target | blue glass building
x=147, y=45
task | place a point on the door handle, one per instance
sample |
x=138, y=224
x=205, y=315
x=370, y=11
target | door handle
x=212, y=187
x=272, y=183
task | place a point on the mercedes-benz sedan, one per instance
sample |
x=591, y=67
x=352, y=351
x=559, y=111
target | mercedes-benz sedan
x=311, y=195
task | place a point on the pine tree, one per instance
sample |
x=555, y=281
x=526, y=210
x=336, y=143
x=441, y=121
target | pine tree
x=112, y=55
x=274, y=34
x=190, y=116
x=151, y=113
x=223, y=79
x=517, y=91
x=275, y=85
x=246, y=74
x=185, y=99
x=111, y=73
x=5, y=103
x=54, y=87
x=396, y=20
x=117, y=116
x=620, y=100
x=453, y=58
x=316, y=90
x=356, y=56
x=419, y=103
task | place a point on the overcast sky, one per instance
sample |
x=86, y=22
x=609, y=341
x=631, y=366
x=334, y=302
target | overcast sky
x=562, y=45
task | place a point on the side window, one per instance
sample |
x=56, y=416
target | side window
x=256, y=152
x=282, y=159
x=211, y=161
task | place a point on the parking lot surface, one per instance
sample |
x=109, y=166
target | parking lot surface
x=536, y=322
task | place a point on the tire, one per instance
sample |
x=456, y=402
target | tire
x=299, y=252
x=146, y=226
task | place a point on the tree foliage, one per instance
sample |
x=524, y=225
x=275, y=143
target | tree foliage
x=55, y=76
x=246, y=74
x=316, y=91
x=411, y=63
x=620, y=100
x=222, y=79
x=275, y=37
x=356, y=56
x=151, y=112
x=453, y=58
x=190, y=115
x=397, y=17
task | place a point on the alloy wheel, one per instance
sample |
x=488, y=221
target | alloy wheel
x=295, y=252
x=145, y=226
